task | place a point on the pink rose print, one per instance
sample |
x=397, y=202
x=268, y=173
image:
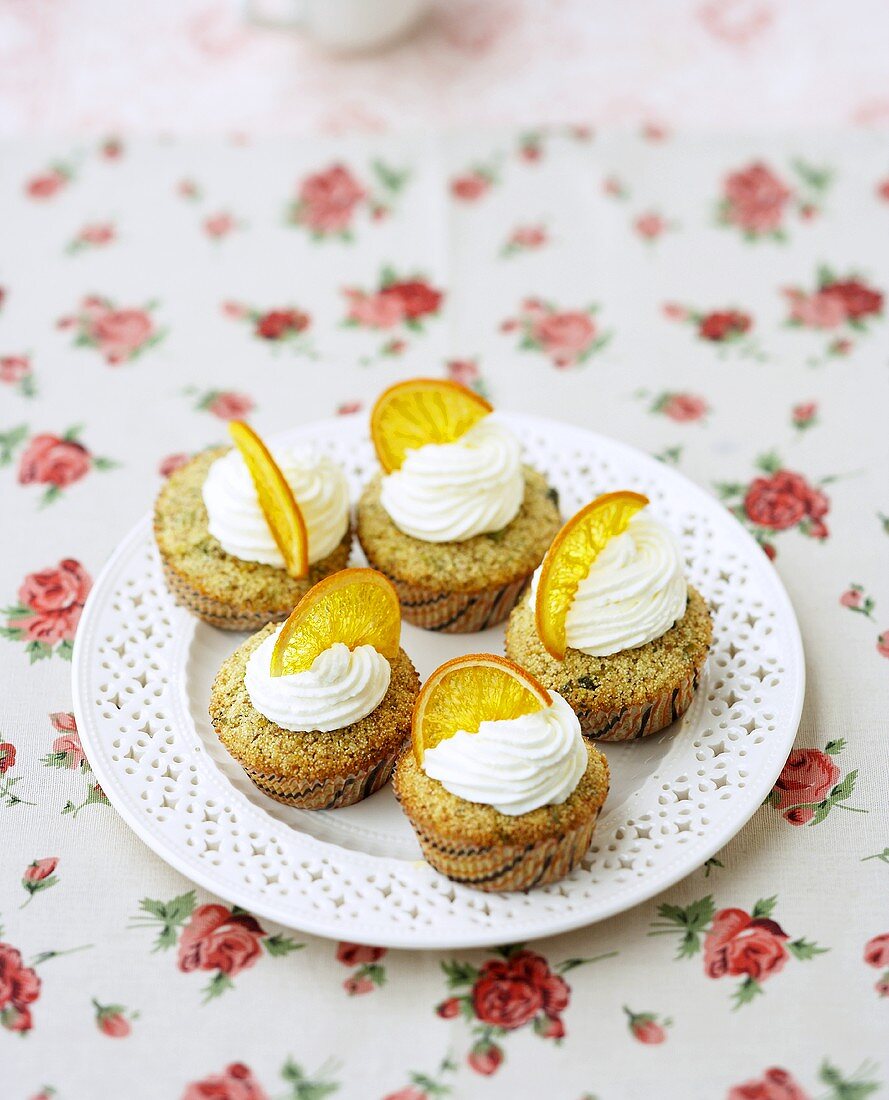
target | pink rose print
x=112, y=148
x=279, y=323
x=113, y=1020
x=50, y=183
x=15, y=370
x=655, y=131
x=355, y=986
x=48, y=611
x=226, y=404
x=218, y=939
x=683, y=408
x=525, y=238
x=211, y=938
x=730, y=330
x=777, y=501
x=171, y=463
x=615, y=188
x=349, y=408
x=516, y=989
x=218, y=226
x=775, y=1084
x=8, y=797
x=651, y=226
x=485, y=1058
x=645, y=1028
x=58, y=462
x=7, y=756
x=19, y=989
x=806, y=785
x=417, y=297
x=723, y=326
x=66, y=754
x=50, y=459
x=397, y=302
x=369, y=974
x=847, y=303
x=531, y=147
x=856, y=599
x=754, y=200
x=274, y=326
x=567, y=337
x=236, y=1082
x=67, y=751
x=883, y=644
x=121, y=335
x=373, y=310
x=876, y=954
x=757, y=201
x=739, y=945
x=819, y=310
x=473, y=184
x=38, y=875
x=736, y=944
x=353, y=954
x=189, y=189
x=512, y=992
x=804, y=415
x=92, y=235
x=328, y=202
x=883, y=190
x=783, y=500
x=876, y=951
x=467, y=373
x=40, y=870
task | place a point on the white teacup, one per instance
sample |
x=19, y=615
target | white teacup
x=344, y=26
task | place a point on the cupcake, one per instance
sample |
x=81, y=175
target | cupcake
x=240, y=552
x=317, y=710
x=611, y=623
x=499, y=785
x=454, y=519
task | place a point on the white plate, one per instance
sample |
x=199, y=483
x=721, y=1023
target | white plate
x=142, y=671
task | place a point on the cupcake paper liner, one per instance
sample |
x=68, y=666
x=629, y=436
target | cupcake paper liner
x=215, y=612
x=456, y=612
x=227, y=616
x=501, y=867
x=331, y=793
x=630, y=723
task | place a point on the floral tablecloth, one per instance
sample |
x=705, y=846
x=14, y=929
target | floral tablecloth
x=719, y=303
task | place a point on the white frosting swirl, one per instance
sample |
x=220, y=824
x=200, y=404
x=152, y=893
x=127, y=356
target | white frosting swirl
x=634, y=592
x=236, y=519
x=516, y=764
x=342, y=686
x=449, y=492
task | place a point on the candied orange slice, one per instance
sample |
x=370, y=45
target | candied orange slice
x=354, y=606
x=464, y=692
x=276, y=499
x=422, y=410
x=568, y=560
